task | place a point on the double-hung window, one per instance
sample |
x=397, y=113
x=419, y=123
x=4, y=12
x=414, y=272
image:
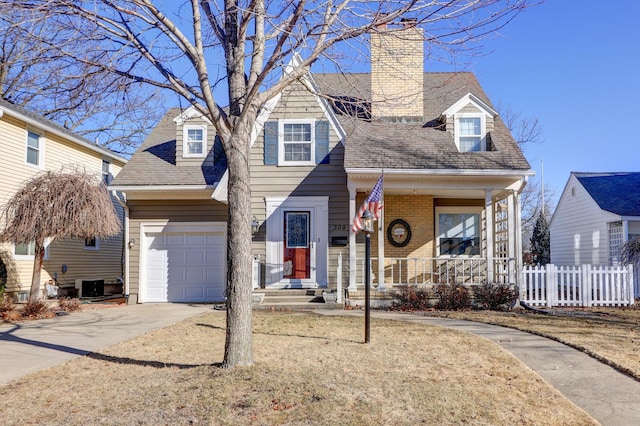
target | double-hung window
x=194, y=141
x=459, y=231
x=297, y=145
x=34, y=149
x=470, y=133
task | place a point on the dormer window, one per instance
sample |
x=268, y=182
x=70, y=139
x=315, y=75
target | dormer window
x=469, y=120
x=470, y=133
x=194, y=141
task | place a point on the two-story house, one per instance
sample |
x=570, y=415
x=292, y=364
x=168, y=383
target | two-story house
x=31, y=145
x=452, y=181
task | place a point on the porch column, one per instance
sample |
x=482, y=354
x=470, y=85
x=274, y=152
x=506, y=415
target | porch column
x=488, y=208
x=518, y=239
x=514, y=235
x=352, y=238
x=381, y=286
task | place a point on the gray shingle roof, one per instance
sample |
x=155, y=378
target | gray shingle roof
x=368, y=144
x=618, y=193
x=154, y=163
x=418, y=146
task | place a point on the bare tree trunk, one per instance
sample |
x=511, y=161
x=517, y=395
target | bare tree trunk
x=37, y=268
x=238, y=349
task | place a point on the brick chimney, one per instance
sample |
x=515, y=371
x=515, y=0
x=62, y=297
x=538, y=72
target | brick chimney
x=397, y=72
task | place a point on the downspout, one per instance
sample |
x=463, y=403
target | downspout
x=125, y=242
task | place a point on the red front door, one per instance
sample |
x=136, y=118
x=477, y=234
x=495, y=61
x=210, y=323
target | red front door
x=297, y=252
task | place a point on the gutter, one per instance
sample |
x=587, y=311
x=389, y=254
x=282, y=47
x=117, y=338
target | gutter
x=438, y=172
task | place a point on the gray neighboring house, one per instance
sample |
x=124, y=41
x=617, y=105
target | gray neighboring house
x=597, y=213
x=452, y=181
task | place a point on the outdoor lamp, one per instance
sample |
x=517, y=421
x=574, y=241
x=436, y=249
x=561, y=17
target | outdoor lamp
x=367, y=230
x=367, y=222
x=255, y=225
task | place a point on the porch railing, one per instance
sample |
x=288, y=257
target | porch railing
x=421, y=271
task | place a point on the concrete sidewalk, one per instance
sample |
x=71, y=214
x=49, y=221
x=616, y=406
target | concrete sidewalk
x=609, y=396
x=29, y=346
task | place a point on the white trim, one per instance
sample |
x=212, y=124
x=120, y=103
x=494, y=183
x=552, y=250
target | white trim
x=161, y=188
x=41, y=146
x=185, y=141
x=319, y=210
x=467, y=99
x=441, y=172
x=281, y=143
x=452, y=210
x=188, y=114
x=161, y=226
x=483, y=130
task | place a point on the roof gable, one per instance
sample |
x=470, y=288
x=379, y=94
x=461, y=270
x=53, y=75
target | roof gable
x=618, y=193
x=467, y=99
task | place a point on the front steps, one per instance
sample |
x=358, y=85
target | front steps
x=292, y=299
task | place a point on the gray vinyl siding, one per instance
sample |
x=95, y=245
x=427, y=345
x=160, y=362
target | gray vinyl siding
x=143, y=211
x=105, y=263
x=208, y=149
x=319, y=180
x=578, y=231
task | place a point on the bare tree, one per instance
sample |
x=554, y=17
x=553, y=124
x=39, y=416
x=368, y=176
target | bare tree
x=525, y=130
x=59, y=205
x=227, y=60
x=111, y=109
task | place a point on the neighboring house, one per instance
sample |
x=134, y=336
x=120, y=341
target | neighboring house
x=597, y=213
x=452, y=181
x=31, y=145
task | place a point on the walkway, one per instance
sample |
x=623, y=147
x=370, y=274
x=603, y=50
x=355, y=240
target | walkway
x=609, y=396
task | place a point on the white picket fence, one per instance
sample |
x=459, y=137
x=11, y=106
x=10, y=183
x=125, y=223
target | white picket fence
x=583, y=285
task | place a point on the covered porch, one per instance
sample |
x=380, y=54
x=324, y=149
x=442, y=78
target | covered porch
x=439, y=226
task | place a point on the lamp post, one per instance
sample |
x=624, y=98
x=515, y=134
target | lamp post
x=367, y=229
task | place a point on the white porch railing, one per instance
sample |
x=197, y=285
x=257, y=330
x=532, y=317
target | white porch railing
x=583, y=285
x=420, y=271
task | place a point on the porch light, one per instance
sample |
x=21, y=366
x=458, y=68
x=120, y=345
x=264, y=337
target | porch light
x=367, y=222
x=255, y=226
x=367, y=229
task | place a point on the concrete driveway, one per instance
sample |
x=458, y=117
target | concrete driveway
x=29, y=346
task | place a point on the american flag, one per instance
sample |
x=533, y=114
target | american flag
x=373, y=203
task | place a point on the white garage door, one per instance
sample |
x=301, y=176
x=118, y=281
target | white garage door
x=184, y=263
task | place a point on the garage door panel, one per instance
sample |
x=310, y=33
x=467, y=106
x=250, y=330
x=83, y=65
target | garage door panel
x=184, y=267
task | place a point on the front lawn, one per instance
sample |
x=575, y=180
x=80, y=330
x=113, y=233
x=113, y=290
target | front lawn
x=308, y=370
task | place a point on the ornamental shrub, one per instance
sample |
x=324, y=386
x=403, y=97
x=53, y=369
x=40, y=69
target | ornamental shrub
x=452, y=297
x=493, y=296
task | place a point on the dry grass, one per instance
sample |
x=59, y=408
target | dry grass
x=308, y=370
x=611, y=335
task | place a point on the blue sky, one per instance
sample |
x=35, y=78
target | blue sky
x=574, y=65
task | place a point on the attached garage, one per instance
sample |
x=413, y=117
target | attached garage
x=183, y=262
